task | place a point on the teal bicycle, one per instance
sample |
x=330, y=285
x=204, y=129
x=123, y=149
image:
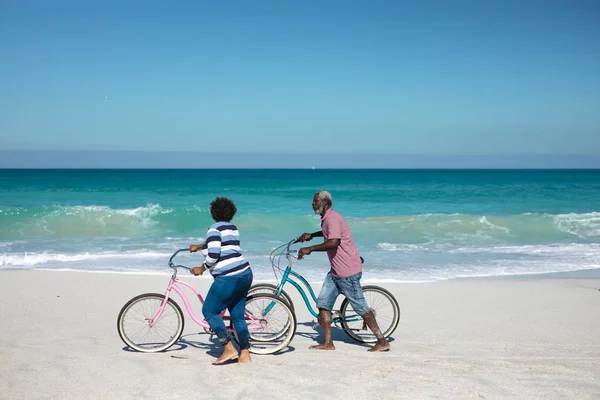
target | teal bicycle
x=380, y=301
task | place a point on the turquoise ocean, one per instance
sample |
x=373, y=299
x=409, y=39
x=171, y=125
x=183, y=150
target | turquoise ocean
x=409, y=225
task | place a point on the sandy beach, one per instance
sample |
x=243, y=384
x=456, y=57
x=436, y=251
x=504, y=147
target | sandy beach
x=458, y=339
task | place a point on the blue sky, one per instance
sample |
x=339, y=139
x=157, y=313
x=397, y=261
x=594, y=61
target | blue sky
x=418, y=77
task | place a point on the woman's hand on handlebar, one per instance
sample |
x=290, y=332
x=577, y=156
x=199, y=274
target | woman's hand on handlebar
x=195, y=247
x=198, y=270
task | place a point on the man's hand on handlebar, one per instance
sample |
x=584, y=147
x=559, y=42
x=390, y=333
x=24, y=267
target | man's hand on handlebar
x=304, y=252
x=305, y=237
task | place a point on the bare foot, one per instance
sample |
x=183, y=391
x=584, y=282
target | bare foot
x=323, y=346
x=229, y=353
x=244, y=356
x=380, y=347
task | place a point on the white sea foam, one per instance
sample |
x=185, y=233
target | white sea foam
x=400, y=248
x=140, y=212
x=31, y=259
x=431, y=261
x=581, y=225
x=554, y=249
x=409, y=248
x=484, y=221
x=84, y=221
x=104, y=215
x=398, y=266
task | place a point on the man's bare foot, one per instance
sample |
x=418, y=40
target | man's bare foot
x=323, y=346
x=229, y=353
x=244, y=356
x=380, y=347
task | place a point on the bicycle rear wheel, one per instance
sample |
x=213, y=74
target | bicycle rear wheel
x=135, y=318
x=271, y=323
x=384, y=307
x=270, y=288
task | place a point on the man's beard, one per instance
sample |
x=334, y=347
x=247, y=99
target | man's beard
x=318, y=210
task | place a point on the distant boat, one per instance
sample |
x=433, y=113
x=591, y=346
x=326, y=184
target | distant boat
x=313, y=167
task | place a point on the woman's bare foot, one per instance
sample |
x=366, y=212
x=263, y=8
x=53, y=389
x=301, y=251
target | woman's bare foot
x=244, y=356
x=229, y=353
x=323, y=346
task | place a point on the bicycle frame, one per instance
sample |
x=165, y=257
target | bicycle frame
x=288, y=277
x=173, y=285
x=251, y=320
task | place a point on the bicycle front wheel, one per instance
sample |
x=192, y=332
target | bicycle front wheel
x=143, y=330
x=271, y=323
x=383, y=305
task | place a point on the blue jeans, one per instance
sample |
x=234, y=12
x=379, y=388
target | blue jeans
x=349, y=287
x=229, y=292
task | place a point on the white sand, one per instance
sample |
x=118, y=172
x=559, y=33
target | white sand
x=471, y=339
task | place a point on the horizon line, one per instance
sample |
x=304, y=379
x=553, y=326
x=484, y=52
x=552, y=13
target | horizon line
x=165, y=159
x=301, y=169
x=597, y=154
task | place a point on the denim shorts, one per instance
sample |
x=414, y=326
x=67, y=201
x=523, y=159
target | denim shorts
x=349, y=287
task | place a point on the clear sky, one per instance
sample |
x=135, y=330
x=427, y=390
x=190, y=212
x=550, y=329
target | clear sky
x=411, y=77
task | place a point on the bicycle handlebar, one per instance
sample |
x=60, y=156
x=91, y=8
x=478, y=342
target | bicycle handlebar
x=291, y=242
x=173, y=256
x=294, y=241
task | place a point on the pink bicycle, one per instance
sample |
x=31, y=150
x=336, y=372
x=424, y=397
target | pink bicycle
x=153, y=322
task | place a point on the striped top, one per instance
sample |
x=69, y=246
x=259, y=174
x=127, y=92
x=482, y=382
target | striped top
x=222, y=252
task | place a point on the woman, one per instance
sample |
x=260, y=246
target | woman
x=233, y=278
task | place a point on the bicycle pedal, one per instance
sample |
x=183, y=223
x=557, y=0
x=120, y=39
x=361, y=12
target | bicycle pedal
x=315, y=325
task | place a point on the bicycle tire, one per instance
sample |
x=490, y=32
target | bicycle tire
x=270, y=288
x=148, y=304
x=261, y=341
x=387, y=325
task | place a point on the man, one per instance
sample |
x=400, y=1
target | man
x=346, y=271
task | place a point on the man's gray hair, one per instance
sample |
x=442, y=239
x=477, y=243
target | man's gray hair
x=325, y=195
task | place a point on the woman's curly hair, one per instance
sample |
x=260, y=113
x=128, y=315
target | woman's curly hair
x=222, y=209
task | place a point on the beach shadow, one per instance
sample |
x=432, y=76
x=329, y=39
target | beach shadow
x=337, y=334
x=213, y=346
x=182, y=344
x=175, y=347
x=288, y=349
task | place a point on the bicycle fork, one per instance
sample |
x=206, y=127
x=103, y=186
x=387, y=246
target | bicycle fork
x=154, y=319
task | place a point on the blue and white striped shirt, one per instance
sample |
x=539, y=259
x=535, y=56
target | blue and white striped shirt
x=222, y=252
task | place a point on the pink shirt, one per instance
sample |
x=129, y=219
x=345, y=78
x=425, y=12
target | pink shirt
x=344, y=259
